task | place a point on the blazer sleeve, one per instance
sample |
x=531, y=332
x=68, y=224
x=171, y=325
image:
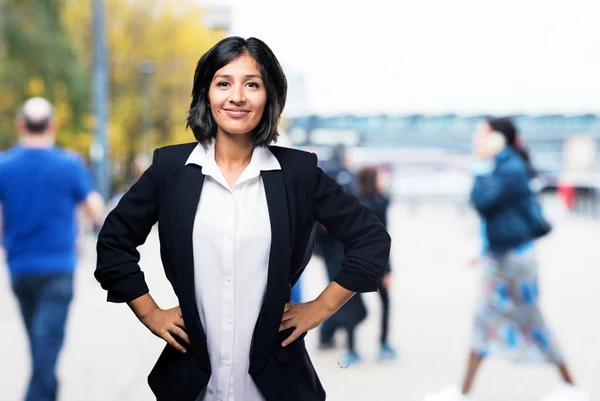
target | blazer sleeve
x=365, y=240
x=126, y=227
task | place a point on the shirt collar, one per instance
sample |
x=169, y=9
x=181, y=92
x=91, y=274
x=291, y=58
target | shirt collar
x=262, y=160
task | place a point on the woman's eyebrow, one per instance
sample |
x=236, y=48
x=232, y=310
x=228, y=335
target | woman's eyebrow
x=246, y=76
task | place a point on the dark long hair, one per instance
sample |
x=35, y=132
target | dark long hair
x=200, y=118
x=506, y=127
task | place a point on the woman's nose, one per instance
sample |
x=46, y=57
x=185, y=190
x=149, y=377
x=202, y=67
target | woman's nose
x=237, y=95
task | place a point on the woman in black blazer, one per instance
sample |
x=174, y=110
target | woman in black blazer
x=236, y=220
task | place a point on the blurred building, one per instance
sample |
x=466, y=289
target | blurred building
x=547, y=136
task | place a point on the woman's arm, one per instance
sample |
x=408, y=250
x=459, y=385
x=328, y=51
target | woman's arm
x=494, y=191
x=126, y=227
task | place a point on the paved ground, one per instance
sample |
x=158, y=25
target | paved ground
x=108, y=353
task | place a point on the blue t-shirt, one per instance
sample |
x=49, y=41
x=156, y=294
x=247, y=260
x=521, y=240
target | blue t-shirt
x=40, y=190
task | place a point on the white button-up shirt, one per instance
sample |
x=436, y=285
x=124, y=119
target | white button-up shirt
x=232, y=242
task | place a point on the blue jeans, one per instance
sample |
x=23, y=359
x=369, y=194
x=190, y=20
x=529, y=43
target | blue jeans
x=44, y=303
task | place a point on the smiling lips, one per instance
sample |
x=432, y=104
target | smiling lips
x=236, y=113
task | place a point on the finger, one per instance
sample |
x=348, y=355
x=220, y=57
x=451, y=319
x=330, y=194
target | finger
x=178, y=311
x=287, y=307
x=286, y=316
x=295, y=334
x=286, y=325
x=180, y=333
x=173, y=343
x=179, y=322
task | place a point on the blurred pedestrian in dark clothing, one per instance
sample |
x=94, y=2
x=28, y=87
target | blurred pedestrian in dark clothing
x=337, y=168
x=328, y=248
x=369, y=194
x=354, y=311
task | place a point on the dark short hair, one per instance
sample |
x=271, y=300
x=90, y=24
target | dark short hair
x=200, y=118
x=367, y=181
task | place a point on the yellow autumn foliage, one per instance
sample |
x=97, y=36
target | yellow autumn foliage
x=168, y=33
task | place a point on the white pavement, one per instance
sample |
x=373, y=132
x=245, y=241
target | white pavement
x=108, y=353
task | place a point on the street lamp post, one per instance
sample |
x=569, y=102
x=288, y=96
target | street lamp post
x=99, y=149
x=146, y=70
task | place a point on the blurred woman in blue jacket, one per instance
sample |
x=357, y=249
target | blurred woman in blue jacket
x=508, y=322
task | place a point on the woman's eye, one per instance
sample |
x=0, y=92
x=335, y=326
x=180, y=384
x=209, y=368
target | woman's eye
x=223, y=83
x=253, y=84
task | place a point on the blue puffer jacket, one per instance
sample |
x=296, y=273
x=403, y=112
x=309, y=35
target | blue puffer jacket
x=502, y=198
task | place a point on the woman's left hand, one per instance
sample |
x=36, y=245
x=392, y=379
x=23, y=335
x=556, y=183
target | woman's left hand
x=302, y=317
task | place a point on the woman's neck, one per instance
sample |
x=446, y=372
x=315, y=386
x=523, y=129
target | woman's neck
x=233, y=150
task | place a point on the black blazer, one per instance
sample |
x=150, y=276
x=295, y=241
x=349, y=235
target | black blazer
x=298, y=196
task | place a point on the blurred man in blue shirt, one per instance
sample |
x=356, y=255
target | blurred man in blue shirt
x=41, y=187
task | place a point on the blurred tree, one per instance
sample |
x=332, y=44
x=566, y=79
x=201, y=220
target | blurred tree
x=46, y=49
x=171, y=36
x=37, y=58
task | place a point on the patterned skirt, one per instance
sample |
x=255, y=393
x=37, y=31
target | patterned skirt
x=509, y=322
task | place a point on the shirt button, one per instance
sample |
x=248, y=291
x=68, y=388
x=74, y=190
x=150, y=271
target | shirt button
x=228, y=279
x=226, y=363
x=229, y=322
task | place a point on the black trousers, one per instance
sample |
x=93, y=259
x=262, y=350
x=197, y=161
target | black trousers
x=385, y=313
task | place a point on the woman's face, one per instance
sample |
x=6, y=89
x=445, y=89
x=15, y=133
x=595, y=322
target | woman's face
x=237, y=96
x=482, y=131
x=484, y=128
x=486, y=142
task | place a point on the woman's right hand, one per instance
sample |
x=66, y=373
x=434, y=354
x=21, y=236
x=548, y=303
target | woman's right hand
x=166, y=324
x=486, y=146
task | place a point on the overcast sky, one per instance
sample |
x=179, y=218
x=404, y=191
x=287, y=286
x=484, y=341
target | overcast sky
x=432, y=56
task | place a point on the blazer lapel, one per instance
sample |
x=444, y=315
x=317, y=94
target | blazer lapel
x=278, y=287
x=187, y=204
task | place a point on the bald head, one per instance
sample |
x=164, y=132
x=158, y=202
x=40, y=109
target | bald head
x=36, y=116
